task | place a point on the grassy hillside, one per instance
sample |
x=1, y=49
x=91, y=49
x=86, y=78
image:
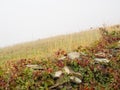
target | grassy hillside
x=46, y=47
x=96, y=67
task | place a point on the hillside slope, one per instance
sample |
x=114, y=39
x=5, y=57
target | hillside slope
x=46, y=47
x=96, y=67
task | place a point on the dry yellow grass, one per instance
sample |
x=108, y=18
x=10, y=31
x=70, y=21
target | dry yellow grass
x=46, y=47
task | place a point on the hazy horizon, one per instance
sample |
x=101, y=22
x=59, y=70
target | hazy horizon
x=27, y=20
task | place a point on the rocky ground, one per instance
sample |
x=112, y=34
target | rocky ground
x=90, y=68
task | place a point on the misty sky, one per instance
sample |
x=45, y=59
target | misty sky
x=26, y=20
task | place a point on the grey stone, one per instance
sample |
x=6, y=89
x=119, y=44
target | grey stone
x=75, y=80
x=73, y=55
x=102, y=60
x=64, y=70
x=35, y=67
x=62, y=58
x=67, y=70
x=100, y=55
x=58, y=74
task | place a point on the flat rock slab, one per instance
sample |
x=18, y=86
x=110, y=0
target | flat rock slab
x=102, y=60
x=100, y=55
x=73, y=55
x=62, y=58
x=65, y=70
x=35, y=67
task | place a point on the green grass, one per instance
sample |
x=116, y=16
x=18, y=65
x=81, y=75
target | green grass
x=46, y=47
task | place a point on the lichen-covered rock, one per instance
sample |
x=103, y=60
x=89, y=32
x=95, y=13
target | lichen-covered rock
x=73, y=55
